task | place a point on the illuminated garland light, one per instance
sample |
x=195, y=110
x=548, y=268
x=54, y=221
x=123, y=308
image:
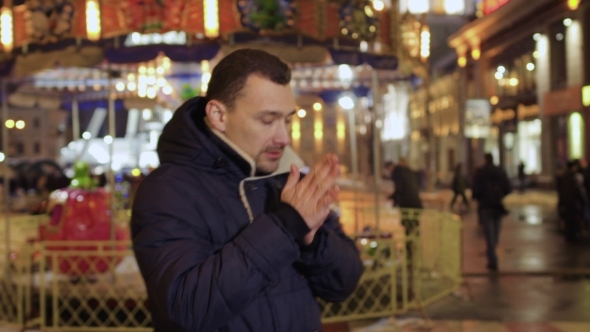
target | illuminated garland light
x=296, y=129
x=462, y=61
x=6, y=32
x=425, y=43
x=92, y=20
x=573, y=4
x=211, y=10
x=476, y=53
x=378, y=5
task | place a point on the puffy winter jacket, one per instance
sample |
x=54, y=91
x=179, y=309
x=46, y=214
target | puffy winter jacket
x=216, y=247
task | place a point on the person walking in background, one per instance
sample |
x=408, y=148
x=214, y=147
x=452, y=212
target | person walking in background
x=521, y=177
x=490, y=186
x=572, y=200
x=406, y=194
x=459, y=185
x=407, y=188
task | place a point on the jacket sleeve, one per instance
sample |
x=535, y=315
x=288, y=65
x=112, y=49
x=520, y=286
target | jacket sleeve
x=196, y=285
x=331, y=263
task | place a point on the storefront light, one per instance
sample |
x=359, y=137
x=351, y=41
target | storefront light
x=317, y=107
x=301, y=113
x=586, y=95
x=530, y=66
x=498, y=75
x=454, y=7
x=537, y=36
x=425, y=43
x=567, y=22
x=576, y=136
x=296, y=130
x=418, y=6
x=494, y=100
x=559, y=36
x=476, y=54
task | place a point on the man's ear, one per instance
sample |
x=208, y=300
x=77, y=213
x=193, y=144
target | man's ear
x=216, y=115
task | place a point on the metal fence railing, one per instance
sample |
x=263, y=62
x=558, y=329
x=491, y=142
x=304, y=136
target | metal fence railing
x=412, y=260
x=96, y=286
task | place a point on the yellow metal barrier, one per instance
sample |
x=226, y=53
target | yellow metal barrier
x=15, y=271
x=412, y=260
x=91, y=286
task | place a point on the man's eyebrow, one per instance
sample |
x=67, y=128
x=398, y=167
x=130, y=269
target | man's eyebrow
x=275, y=113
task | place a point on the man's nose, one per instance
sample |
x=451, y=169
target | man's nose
x=282, y=136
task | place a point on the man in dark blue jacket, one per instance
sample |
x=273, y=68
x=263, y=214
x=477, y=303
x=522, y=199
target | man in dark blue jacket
x=490, y=186
x=226, y=235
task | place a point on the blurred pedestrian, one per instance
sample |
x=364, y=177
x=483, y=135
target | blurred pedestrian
x=407, y=188
x=407, y=196
x=521, y=177
x=573, y=200
x=490, y=186
x=459, y=186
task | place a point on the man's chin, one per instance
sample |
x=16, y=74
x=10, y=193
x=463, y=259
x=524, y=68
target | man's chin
x=266, y=167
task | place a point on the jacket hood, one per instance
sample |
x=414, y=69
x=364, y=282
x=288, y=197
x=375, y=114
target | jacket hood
x=187, y=140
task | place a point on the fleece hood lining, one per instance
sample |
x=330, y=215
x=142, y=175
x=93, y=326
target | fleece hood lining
x=289, y=157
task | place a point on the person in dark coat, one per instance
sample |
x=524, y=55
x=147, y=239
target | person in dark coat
x=407, y=196
x=226, y=236
x=573, y=200
x=459, y=185
x=521, y=177
x=407, y=188
x=490, y=186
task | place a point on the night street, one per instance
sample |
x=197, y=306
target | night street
x=543, y=283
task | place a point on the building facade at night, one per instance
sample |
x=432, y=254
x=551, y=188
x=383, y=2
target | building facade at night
x=527, y=59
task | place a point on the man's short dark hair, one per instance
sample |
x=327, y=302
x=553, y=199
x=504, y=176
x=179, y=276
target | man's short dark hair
x=489, y=158
x=229, y=76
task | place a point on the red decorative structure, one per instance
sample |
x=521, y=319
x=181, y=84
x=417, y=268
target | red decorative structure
x=80, y=214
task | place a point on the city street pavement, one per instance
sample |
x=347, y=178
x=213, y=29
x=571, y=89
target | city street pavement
x=543, y=283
